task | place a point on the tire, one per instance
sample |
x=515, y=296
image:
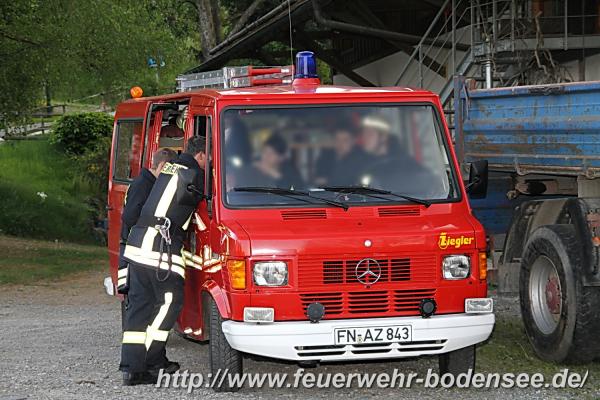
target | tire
x=222, y=357
x=558, y=312
x=458, y=361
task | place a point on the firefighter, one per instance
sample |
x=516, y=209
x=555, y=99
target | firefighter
x=136, y=196
x=156, y=266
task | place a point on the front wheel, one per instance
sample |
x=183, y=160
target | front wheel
x=225, y=361
x=458, y=361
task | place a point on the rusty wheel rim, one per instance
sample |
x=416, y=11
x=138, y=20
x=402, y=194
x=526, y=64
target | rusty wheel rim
x=545, y=295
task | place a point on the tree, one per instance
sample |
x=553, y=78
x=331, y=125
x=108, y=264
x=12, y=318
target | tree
x=75, y=49
x=222, y=18
x=209, y=21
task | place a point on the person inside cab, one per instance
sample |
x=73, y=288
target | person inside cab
x=238, y=149
x=343, y=165
x=171, y=135
x=389, y=163
x=171, y=130
x=275, y=164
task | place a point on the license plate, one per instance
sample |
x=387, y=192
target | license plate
x=373, y=334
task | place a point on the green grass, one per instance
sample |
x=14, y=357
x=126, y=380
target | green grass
x=30, y=261
x=508, y=350
x=42, y=194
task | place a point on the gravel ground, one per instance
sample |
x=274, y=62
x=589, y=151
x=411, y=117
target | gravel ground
x=61, y=341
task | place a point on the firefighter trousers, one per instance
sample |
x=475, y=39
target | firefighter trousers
x=151, y=313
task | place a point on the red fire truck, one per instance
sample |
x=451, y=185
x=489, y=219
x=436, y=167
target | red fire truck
x=337, y=225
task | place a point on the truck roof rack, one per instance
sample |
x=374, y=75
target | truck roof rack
x=236, y=77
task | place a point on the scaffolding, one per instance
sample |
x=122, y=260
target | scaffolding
x=510, y=42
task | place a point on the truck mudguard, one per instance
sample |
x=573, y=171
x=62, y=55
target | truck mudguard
x=582, y=213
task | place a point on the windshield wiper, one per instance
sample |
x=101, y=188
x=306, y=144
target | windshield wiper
x=290, y=194
x=372, y=192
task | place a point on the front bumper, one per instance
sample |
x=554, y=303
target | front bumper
x=303, y=340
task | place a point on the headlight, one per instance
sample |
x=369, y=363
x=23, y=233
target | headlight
x=456, y=267
x=270, y=273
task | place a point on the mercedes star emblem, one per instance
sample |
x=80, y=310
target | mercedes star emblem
x=368, y=271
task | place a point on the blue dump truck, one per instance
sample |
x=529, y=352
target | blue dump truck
x=540, y=146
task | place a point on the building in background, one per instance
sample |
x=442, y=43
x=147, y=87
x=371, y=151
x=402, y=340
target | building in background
x=425, y=43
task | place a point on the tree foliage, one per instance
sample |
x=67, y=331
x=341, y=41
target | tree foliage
x=77, y=49
x=68, y=50
x=76, y=133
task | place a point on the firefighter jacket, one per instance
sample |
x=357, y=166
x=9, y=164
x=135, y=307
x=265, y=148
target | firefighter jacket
x=146, y=244
x=136, y=196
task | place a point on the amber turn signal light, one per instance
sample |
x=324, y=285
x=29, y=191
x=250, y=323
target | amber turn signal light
x=482, y=266
x=237, y=273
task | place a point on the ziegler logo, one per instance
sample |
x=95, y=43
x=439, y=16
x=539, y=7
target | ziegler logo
x=456, y=242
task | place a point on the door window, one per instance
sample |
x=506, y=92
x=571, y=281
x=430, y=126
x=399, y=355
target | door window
x=128, y=152
x=202, y=127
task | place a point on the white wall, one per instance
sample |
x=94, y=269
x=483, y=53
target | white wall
x=385, y=71
x=592, y=68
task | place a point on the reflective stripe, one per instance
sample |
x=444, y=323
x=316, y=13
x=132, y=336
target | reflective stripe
x=191, y=264
x=189, y=260
x=150, y=257
x=160, y=317
x=121, y=281
x=197, y=259
x=211, y=262
x=167, y=197
x=201, y=225
x=126, y=195
x=172, y=168
x=156, y=334
x=214, y=268
x=131, y=337
x=148, y=241
x=189, y=256
x=122, y=273
x=175, y=267
x=185, y=226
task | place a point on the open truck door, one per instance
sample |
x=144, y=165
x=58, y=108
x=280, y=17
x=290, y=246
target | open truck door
x=199, y=122
x=136, y=136
x=127, y=161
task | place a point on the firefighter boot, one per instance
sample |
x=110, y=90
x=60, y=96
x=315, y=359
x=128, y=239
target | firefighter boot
x=138, y=378
x=169, y=368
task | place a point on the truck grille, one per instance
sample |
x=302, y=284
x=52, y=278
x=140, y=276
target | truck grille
x=349, y=304
x=321, y=271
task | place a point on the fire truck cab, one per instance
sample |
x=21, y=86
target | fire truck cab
x=336, y=226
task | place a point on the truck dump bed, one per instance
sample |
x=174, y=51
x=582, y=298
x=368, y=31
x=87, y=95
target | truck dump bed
x=546, y=129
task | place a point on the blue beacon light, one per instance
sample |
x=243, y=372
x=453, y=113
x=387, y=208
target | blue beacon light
x=306, y=65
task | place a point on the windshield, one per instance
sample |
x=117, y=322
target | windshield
x=334, y=153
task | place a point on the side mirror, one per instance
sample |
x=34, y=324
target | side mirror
x=478, y=179
x=188, y=194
